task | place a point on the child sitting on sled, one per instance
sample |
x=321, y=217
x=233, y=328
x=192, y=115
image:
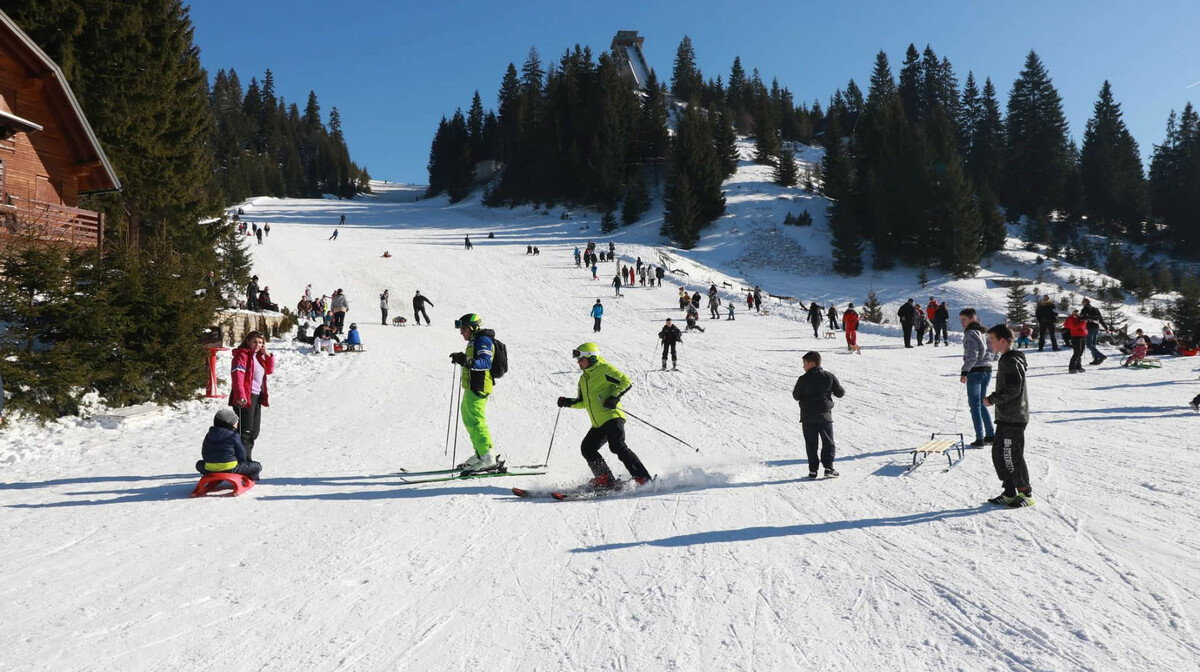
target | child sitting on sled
x=223, y=452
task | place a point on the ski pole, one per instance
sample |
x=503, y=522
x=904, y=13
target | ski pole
x=660, y=430
x=450, y=411
x=457, y=405
x=546, y=462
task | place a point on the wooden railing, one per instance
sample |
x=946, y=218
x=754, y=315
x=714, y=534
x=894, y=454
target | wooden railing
x=50, y=221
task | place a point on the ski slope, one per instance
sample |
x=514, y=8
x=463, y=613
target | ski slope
x=731, y=560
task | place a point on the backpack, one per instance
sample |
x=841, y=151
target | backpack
x=499, y=359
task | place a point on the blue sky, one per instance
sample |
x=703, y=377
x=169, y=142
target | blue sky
x=394, y=68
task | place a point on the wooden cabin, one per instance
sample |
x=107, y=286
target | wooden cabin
x=49, y=154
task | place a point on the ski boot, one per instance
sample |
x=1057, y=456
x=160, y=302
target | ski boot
x=477, y=464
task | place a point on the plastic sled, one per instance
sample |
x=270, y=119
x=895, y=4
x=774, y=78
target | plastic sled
x=220, y=481
x=1143, y=363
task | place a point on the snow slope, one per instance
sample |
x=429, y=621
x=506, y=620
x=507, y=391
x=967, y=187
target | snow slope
x=732, y=560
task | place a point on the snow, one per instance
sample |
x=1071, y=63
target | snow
x=731, y=560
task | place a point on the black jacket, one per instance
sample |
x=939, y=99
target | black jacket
x=814, y=314
x=658, y=272
x=419, y=302
x=941, y=315
x=906, y=312
x=1011, y=397
x=815, y=391
x=1046, y=313
x=670, y=334
x=252, y=291
x=1091, y=315
x=833, y=314
x=222, y=444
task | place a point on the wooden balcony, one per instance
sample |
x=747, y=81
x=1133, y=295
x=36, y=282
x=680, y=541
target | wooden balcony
x=52, y=222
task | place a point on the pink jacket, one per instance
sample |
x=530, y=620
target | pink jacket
x=243, y=375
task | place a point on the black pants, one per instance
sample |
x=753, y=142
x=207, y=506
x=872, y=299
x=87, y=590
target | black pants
x=385, y=312
x=1008, y=456
x=248, y=423
x=939, y=333
x=596, y=327
x=713, y=310
x=833, y=323
x=669, y=346
x=1077, y=352
x=339, y=319
x=823, y=431
x=418, y=313
x=907, y=326
x=251, y=469
x=612, y=433
x=816, y=325
x=1045, y=328
x=921, y=335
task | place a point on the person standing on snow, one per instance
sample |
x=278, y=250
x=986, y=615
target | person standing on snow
x=833, y=315
x=258, y=233
x=601, y=387
x=252, y=294
x=815, y=391
x=1077, y=328
x=248, y=389
x=340, y=306
x=907, y=314
x=814, y=318
x=1095, y=321
x=714, y=305
x=383, y=305
x=577, y=259
x=594, y=269
x=418, y=304
x=658, y=274
x=670, y=335
x=976, y=374
x=267, y=229
x=757, y=299
x=930, y=313
x=616, y=283
x=467, y=242
x=941, y=318
x=920, y=322
x=597, y=314
x=476, y=363
x=1011, y=400
x=730, y=307
x=850, y=325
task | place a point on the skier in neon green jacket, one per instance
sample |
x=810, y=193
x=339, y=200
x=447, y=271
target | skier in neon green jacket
x=476, y=363
x=600, y=390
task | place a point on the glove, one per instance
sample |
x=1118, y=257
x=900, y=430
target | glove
x=564, y=402
x=459, y=358
x=611, y=402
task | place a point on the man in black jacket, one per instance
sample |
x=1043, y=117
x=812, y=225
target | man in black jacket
x=1094, y=321
x=1047, y=319
x=815, y=391
x=252, y=294
x=1011, y=401
x=670, y=335
x=419, y=302
x=907, y=314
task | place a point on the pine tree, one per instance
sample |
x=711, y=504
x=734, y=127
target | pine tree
x=1017, y=310
x=955, y=220
x=1185, y=313
x=686, y=80
x=681, y=219
x=726, y=141
x=785, y=173
x=608, y=223
x=474, y=128
x=872, y=309
x=1113, y=184
x=637, y=199
x=694, y=157
x=1037, y=163
x=654, y=139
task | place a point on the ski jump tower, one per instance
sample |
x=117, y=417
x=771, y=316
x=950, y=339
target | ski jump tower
x=627, y=48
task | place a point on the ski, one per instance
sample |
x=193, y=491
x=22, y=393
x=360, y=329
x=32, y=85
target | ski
x=471, y=476
x=437, y=472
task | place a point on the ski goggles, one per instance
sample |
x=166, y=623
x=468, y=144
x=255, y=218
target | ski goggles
x=580, y=354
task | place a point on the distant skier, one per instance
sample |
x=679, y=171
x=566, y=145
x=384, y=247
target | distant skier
x=815, y=318
x=467, y=242
x=383, y=305
x=669, y=335
x=223, y=452
x=1011, y=400
x=536, y=251
x=418, y=304
x=814, y=391
x=476, y=363
x=600, y=389
x=850, y=325
x=597, y=314
x=907, y=315
x=335, y=233
x=833, y=316
x=976, y=374
x=342, y=221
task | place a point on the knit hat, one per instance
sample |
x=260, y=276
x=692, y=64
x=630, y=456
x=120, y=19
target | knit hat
x=226, y=418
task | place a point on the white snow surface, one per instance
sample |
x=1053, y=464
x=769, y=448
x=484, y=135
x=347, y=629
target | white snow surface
x=731, y=560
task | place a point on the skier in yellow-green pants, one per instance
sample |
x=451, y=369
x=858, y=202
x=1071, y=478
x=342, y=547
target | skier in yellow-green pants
x=476, y=362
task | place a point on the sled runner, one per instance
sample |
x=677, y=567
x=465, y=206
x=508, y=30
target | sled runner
x=1142, y=363
x=936, y=446
x=831, y=334
x=219, y=481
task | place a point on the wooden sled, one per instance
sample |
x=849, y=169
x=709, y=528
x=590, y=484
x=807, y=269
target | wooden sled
x=936, y=446
x=831, y=334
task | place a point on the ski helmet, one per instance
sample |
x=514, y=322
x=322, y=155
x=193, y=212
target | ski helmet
x=589, y=350
x=470, y=321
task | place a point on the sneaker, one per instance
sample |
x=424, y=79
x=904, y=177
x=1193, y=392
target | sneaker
x=480, y=462
x=812, y=475
x=831, y=473
x=1022, y=499
x=977, y=443
x=989, y=440
x=1004, y=500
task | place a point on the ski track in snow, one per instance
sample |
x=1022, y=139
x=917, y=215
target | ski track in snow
x=731, y=560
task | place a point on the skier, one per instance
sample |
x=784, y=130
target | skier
x=976, y=374
x=223, y=452
x=814, y=318
x=850, y=325
x=1077, y=328
x=335, y=232
x=691, y=316
x=833, y=315
x=1095, y=321
x=252, y=294
x=597, y=313
x=418, y=303
x=1011, y=400
x=814, y=391
x=467, y=242
x=342, y=221
x=714, y=304
x=248, y=385
x=476, y=363
x=341, y=306
x=941, y=318
x=907, y=314
x=757, y=299
x=601, y=386
x=1047, y=317
x=616, y=283
x=383, y=306
x=670, y=335
x=920, y=322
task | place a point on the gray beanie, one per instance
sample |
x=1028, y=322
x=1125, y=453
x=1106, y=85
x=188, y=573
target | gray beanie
x=226, y=417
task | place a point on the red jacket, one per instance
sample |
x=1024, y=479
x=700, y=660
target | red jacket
x=243, y=375
x=1076, y=326
x=931, y=310
x=850, y=320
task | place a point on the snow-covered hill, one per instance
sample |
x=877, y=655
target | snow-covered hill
x=732, y=560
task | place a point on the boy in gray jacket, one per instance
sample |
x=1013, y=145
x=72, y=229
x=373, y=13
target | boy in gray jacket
x=976, y=374
x=1011, y=400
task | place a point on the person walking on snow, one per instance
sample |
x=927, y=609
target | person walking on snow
x=248, y=386
x=669, y=335
x=601, y=386
x=833, y=316
x=476, y=363
x=1095, y=321
x=850, y=325
x=467, y=242
x=597, y=313
x=749, y=301
x=1078, y=330
x=684, y=299
x=757, y=299
x=714, y=304
x=267, y=229
x=920, y=322
x=815, y=318
x=342, y=221
x=976, y=374
x=340, y=306
x=418, y=303
x=815, y=391
x=577, y=257
x=259, y=235
x=383, y=306
x=1011, y=400
x=616, y=283
x=658, y=274
x=907, y=314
